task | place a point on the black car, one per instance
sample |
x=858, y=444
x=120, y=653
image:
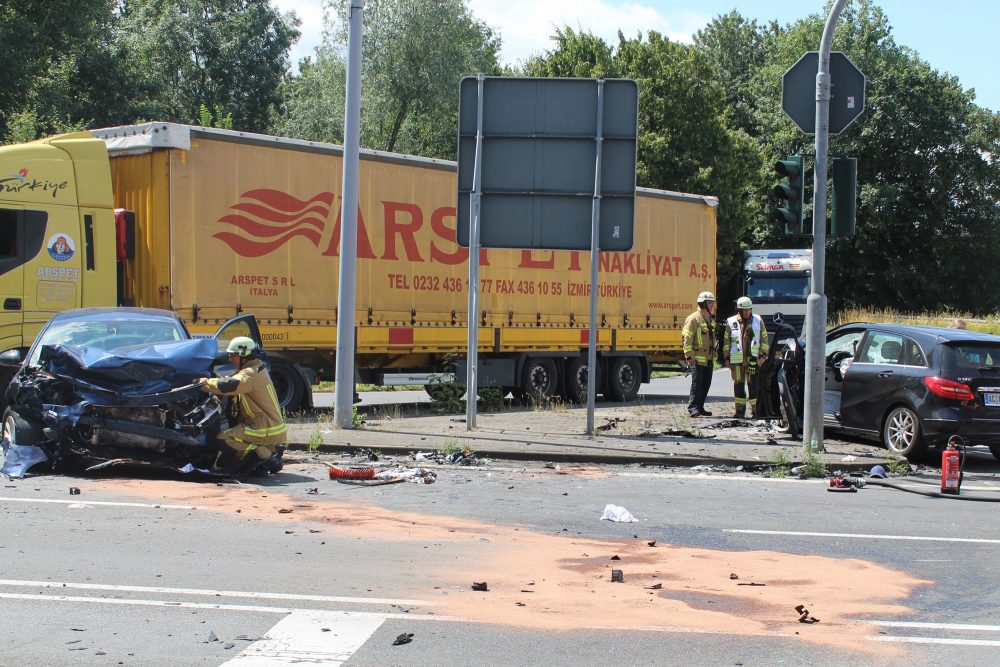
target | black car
x=911, y=386
x=102, y=387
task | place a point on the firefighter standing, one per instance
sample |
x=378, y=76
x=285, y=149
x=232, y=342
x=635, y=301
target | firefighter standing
x=260, y=426
x=698, y=343
x=744, y=349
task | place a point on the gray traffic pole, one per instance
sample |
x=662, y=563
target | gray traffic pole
x=595, y=252
x=812, y=432
x=475, y=197
x=346, y=287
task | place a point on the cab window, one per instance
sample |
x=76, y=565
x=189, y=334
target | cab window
x=21, y=235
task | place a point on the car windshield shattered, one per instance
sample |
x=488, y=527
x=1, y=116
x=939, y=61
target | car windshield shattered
x=97, y=392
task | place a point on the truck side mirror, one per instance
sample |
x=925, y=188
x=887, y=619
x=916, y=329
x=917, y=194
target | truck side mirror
x=124, y=234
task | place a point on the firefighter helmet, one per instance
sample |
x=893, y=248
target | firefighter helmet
x=706, y=296
x=242, y=345
x=744, y=303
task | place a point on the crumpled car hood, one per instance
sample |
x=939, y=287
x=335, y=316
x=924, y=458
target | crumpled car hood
x=133, y=375
x=94, y=408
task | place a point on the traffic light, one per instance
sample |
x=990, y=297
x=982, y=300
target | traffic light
x=844, y=197
x=791, y=192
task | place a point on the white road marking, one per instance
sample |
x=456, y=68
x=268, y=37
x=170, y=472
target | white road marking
x=937, y=640
x=315, y=638
x=38, y=597
x=862, y=536
x=936, y=626
x=208, y=592
x=102, y=503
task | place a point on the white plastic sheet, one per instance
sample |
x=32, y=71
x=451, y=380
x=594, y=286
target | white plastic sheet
x=618, y=514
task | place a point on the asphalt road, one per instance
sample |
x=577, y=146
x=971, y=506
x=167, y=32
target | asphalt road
x=722, y=387
x=131, y=573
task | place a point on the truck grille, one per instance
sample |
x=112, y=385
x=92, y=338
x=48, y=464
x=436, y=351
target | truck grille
x=794, y=321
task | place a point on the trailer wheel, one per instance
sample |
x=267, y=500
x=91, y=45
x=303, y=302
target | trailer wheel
x=626, y=376
x=576, y=379
x=539, y=379
x=288, y=385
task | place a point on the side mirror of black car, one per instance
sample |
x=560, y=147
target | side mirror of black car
x=11, y=358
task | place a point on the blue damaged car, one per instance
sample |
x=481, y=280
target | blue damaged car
x=104, y=387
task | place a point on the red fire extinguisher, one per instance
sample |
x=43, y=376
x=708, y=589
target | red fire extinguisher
x=951, y=465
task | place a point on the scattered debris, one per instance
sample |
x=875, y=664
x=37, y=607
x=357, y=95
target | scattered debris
x=617, y=576
x=733, y=575
x=616, y=557
x=284, y=510
x=676, y=432
x=479, y=586
x=74, y=491
x=610, y=423
x=651, y=543
x=618, y=514
x=404, y=638
x=727, y=423
x=654, y=587
x=750, y=583
x=211, y=637
x=520, y=604
x=313, y=491
x=804, y=616
x=466, y=457
x=849, y=459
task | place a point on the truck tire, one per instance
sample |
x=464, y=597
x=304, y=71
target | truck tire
x=539, y=378
x=288, y=385
x=626, y=378
x=576, y=379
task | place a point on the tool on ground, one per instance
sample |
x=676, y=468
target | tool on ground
x=843, y=485
x=350, y=473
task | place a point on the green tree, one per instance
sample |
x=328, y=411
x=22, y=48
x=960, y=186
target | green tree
x=314, y=100
x=928, y=179
x=739, y=49
x=229, y=55
x=685, y=141
x=415, y=53
x=54, y=72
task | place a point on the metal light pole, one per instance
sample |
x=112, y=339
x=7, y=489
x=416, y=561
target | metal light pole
x=812, y=432
x=347, y=287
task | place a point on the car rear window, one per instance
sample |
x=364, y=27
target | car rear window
x=970, y=356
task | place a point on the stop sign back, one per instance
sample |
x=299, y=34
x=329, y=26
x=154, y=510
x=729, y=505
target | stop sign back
x=847, y=92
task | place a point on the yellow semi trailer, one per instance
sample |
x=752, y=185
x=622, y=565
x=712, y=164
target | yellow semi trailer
x=228, y=222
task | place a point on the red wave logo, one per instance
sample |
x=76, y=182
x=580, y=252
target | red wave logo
x=265, y=220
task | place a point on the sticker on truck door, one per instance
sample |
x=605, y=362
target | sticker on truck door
x=61, y=247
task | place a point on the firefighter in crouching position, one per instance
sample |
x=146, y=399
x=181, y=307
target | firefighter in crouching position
x=260, y=427
x=744, y=349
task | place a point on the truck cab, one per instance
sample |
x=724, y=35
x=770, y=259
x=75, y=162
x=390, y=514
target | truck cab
x=778, y=282
x=57, y=234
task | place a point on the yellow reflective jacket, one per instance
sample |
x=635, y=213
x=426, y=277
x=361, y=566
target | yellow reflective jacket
x=698, y=339
x=260, y=418
x=744, y=339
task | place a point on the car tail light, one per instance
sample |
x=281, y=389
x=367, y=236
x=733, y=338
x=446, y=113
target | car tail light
x=950, y=389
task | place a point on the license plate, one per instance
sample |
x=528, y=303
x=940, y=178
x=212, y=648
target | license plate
x=991, y=399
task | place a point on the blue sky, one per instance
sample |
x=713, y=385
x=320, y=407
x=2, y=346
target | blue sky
x=954, y=37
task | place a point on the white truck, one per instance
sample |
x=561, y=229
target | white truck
x=778, y=283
